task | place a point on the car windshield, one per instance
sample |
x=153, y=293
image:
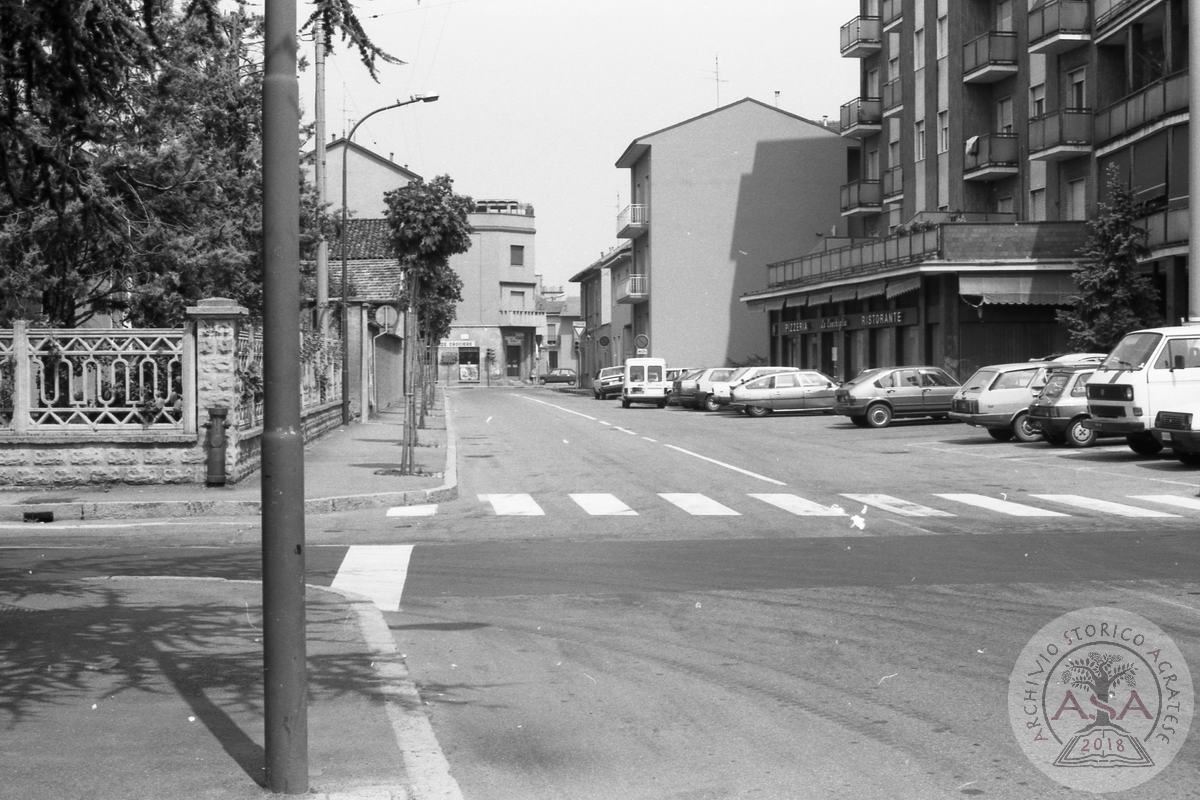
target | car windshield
x=1016, y=379
x=1132, y=352
x=1054, y=387
x=720, y=374
x=737, y=374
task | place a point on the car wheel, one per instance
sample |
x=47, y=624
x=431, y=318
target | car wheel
x=1023, y=431
x=1079, y=436
x=624, y=403
x=662, y=403
x=1191, y=459
x=1143, y=444
x=859, y=420
x=1001, y=434
x=710, y=403
x=757, y=411
x=879, y=415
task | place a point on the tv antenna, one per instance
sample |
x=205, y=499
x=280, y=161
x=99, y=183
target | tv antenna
x=717, y=77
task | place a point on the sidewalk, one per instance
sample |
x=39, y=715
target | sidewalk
x=124, y=688
x=351, y=467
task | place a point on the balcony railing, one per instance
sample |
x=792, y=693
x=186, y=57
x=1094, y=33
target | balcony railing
x=1059, y=25
x=1060, y=135
x=1109, y=13
x=633, y=221
x=862, y=36
x=893, y=183
x=990, y=157
x=1149, y=104
x=522, y=318
x=990, y=58
x=862, y=117
x=893, y=97
x=634, y=289
x=861, y=197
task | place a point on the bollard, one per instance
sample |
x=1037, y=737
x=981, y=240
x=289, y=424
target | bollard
x=214, y=442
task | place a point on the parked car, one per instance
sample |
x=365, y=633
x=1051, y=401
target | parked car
x=997, y=397
x=1061, y=407
x=805, y=390
x=690, y=390
x=559, y=375
x=875, y=397
x=677, y=377
x=608, y=382
x=645, y=382
x=722, y=391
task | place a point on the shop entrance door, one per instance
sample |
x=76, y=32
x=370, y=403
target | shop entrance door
x=512, y=360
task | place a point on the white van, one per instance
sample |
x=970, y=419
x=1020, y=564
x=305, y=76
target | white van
x=1151, y=370
x=645, y=382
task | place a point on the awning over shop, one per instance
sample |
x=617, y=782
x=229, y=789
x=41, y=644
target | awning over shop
x=900, y=286
x=843, y=293
x=769, y=304
x=1045, y=289
x=866, y=290
x=820, y=298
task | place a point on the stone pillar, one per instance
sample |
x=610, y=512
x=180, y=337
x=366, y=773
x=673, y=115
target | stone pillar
x=216, y=321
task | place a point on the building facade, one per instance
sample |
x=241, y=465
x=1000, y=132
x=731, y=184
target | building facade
x=986, y=130
x=713, y=199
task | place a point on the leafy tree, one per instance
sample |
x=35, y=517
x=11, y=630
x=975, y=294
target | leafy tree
x=1114, y=297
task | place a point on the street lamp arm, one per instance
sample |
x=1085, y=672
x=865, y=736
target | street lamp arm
x=416, y=98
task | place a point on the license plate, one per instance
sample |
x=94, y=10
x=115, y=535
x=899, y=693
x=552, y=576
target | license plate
x=1166, y=437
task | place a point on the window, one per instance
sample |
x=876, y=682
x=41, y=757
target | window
x=1004, y=115
x=516, y=255
x=919, y=49
x=1076, y=195
x=943, y=43
x=1004, y=15
x=943, y=119
x=1077, y=89
x=516, y=299
x=919, y=140
x=1005, y=205
x=873, y=164
x=1037, y=100
x=1037, y=205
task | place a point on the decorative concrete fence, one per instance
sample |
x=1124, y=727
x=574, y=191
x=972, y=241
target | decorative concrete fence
x=106, y=406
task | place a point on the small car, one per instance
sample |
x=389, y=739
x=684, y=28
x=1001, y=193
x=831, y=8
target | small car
x=721, y=392
x=690, y=390
x=559, y=375
x=874, y=397
x=1061, y=407
x=997, y=397
x=676, y=377
x=608, y=382
x=805, y=390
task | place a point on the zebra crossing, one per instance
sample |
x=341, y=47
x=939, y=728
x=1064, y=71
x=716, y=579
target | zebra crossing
x=943, y=505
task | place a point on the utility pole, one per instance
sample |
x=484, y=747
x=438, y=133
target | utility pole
x=285, y=675
x=1193, y=307
x=322, y=182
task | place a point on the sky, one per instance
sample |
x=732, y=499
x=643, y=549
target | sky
x=538, y=98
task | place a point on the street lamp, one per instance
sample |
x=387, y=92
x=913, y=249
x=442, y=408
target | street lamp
x=416, y=98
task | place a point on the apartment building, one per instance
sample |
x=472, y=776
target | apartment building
x=601, y=321
x=714, y=198
x=986, y=129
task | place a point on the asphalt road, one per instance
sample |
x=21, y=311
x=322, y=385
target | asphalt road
x=646, y=603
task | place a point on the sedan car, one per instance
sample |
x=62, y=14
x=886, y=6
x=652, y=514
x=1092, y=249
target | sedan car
x=560, y=375
x=691, y=390
x=608, y=382
x=806, y=390
x=875, y=397
x=721, y=392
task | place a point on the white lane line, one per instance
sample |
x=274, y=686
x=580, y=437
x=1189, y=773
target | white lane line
x=1103, y=506
x=603, y=505
x=698, y=505
x=561, y=408
x=1002, y=506
x=513, y=505
x=800, y=506
x=375, y=571
x=423, y=510
x=726, y=466
x=625, y=430
x=1190, y=503
x=897, y=506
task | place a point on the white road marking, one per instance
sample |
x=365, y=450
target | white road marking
x=513, y=505
x=698, y=505
x=561, y=408
x=1105, y=506
x=603, y=505
x=800, y=506
x=1002, y=506
x=726, y=466
x=423, y=510
x=375, y=571
x=897, y=506
x=1190, y=503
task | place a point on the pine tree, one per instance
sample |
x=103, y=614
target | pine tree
x=1114, y=297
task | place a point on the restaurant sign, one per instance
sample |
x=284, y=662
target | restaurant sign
x=869, y=319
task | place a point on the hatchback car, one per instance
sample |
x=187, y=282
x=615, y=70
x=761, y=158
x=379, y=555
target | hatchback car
x=875, y=397
x=806, y=390
x=721, y=392
x=1061, y=407
x=608, y=382
x=691, y=390
x=559, y=375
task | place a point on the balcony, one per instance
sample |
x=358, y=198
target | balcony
x=1113, y=15
x=893, y=184
x=522, y=318
x=1060, y=135
x=1059, y=26
x=862, y=117
x=633, y=221
x=990, y=58
x=1147, y=106
x=861, y=198
x=893, y=97
x=893, y=14
x=990, y=157
x=634, y=289
x=861, y=37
